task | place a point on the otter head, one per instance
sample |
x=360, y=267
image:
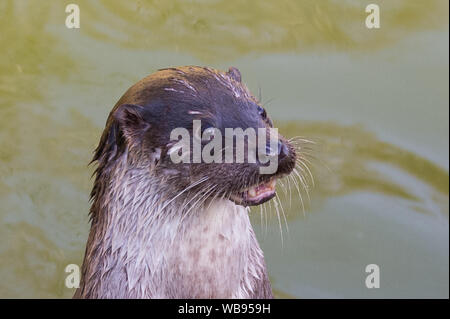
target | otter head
x=198, y=131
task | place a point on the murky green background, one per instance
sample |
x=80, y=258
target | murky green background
x=376, y=102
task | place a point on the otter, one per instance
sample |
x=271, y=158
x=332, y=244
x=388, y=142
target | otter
x=161, y=229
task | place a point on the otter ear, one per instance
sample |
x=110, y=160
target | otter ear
x=131, y=120
x=234, y=74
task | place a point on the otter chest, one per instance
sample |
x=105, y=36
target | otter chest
x=210, y=253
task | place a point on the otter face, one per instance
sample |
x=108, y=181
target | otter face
x=186, y=124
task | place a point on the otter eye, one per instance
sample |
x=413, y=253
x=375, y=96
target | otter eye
x=262, y=112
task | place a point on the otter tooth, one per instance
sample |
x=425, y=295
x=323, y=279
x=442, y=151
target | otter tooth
x=252, y=192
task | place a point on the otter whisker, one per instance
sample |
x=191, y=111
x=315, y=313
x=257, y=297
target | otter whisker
x=208, y=197
x=275, y=203
x=305, y=152
x=267, y=102
x=201, y=180
x=263, y=211
x=282, y=211
x=301, y=175
x=302, y=142
x=290, y=190
x=185, y=204
x=283, y=187
x=217, y=193
x=267, y=208
x=302, y=163
x=318, y=160
x=303, y=182
x=305, y=158
x=269, y=211
x=299, y=194
x=301, y=139
x=261, y=215
x=202, y=199
x=194, y=205
x=200, y=195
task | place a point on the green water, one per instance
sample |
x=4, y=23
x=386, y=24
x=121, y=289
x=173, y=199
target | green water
x=374, y=101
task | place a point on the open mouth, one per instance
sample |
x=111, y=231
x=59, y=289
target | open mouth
x=257, y=194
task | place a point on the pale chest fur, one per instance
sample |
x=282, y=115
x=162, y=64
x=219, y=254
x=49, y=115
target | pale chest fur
x=209, y=253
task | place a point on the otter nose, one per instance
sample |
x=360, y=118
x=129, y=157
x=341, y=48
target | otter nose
x=282, y=150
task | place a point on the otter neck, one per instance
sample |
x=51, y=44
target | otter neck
x=141, y=247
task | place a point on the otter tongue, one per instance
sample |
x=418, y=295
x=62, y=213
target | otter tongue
x=262, y=190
